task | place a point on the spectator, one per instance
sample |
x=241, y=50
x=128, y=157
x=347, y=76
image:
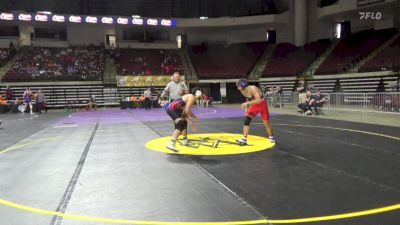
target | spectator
x=3, y=105
x=147, y=99
x=318, y=101
x=50, y=64
x=278, y=95
x=206, y=100
x=9, y=93
x=304, y=103
x=92, y=103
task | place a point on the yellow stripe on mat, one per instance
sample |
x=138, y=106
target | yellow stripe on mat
x=141, y=222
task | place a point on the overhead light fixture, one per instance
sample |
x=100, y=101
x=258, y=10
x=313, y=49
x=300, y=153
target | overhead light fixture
x=44, y=12
x=203, y=17
x=135, y=16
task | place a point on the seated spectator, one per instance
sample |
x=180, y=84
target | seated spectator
x=3, y=105
x=15, y=105
x=317, y=101
x=92, y=103
x=304, y=103
x=40, y=64
x=134, y=99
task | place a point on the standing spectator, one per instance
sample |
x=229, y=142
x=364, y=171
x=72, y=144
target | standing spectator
x=9, y=93
x=278, y=94
x=301, y=88
x=147, y=99
x=206, y=100
x=175, y=89
x=41, y=101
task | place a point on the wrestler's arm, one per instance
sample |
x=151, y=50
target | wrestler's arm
x=257, y=98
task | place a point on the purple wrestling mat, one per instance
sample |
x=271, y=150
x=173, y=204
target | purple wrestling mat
x=110, y=116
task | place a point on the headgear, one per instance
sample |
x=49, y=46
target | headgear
x=242, y=83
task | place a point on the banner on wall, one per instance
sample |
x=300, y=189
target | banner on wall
x=143, y=81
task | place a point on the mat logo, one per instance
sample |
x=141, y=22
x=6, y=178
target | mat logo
x=370, y=15
x=212, y=144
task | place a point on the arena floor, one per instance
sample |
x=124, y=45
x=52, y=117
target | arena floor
x=94, y=168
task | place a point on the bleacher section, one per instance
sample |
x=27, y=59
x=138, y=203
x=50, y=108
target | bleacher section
x=221, y=62
x=57, y=64
x=289, y=60
x=354, y=85
x=59, y=96
x=352, y=49
x=147, y=62
x=347, y=83
x=388, y=59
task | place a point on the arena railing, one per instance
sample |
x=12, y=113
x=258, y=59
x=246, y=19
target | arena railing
x=381, y=102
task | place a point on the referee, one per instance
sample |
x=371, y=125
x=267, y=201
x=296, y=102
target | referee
x=174, y=89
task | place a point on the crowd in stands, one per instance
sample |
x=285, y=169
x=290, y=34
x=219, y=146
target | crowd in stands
x=6, y=54
x=147, y=62
x=218, y=61
x=289, y=60
x=57, y=64
x=387, y=59
x=351, y=50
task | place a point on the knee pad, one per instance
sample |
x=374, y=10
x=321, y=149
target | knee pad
x=247, y=121
x=181, y=125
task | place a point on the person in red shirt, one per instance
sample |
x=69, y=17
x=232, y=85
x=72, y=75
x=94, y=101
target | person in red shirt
x=9, y=93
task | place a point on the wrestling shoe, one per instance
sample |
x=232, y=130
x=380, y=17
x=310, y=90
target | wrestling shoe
x=186, y=142
x=271, y=139
x=172, y=146
x=242, y=141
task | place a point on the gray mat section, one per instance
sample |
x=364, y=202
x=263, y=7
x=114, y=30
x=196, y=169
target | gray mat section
x=120, y=179
x=123, y=180
x=16, y=127
x=37, y=174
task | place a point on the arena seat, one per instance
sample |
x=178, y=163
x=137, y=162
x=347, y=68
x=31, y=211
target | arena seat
x=387, y=59
x=289, y=60
x=216, y=61
x=352, y=49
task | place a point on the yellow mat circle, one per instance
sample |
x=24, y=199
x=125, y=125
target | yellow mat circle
x=212, y=144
